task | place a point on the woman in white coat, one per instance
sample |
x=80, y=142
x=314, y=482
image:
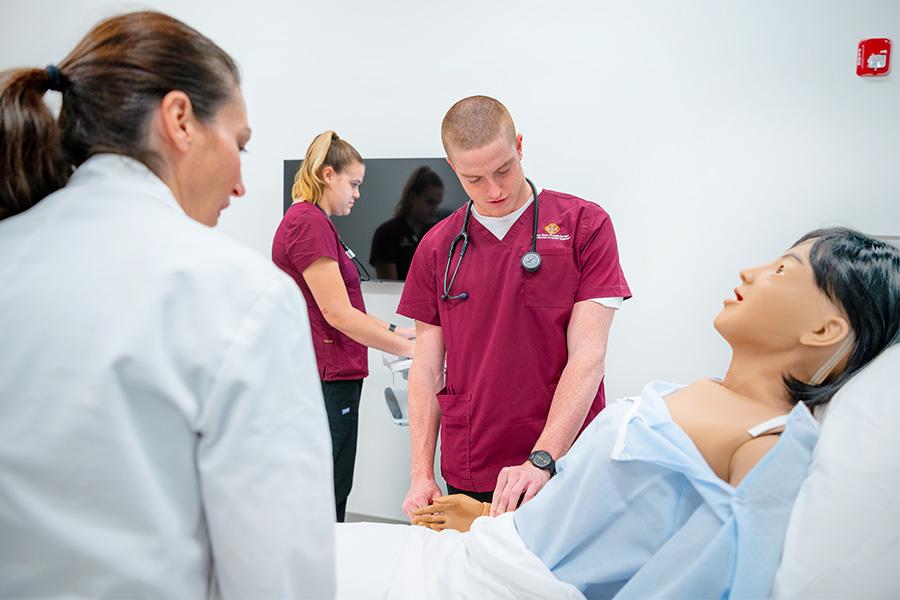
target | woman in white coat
x=161, y=420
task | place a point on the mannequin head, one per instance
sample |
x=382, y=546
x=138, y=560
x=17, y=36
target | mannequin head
x=832, y=298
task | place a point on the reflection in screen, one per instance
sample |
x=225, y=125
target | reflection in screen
x=401, y=199
x=395, y=241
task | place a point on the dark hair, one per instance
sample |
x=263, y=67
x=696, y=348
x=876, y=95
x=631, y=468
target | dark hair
x=420, y=180
x=862, y=276
x=110, y=83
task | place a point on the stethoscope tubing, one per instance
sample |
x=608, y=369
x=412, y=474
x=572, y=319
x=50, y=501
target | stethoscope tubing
x=531, y=260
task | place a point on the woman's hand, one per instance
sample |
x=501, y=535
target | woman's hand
x=456, y=511
x=407, y=332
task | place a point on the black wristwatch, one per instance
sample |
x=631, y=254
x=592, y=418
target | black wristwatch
x=542, y=460
x=392, y=328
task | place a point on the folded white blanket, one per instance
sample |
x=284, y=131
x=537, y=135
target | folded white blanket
x=405, y=562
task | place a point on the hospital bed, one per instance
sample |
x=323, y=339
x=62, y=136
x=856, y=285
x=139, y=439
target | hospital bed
x=843, y=539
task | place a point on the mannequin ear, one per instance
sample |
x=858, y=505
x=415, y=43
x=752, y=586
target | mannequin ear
x=832, y=332
x=328, y=174
x=176, y=120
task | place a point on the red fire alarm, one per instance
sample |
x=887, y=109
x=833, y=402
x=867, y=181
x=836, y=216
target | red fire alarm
x=873, y=58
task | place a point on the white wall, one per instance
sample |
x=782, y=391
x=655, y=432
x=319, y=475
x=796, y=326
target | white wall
x=714, y=133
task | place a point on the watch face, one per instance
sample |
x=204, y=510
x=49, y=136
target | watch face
x=541, y=459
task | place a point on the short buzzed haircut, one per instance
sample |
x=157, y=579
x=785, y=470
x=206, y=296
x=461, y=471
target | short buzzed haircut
x=475, y=122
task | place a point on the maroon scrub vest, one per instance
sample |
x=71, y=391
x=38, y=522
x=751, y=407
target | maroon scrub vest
x=305, y=235
x=506, y=342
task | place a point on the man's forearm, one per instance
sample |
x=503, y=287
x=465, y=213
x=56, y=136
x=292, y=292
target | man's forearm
x=424, y=418
x=586, y=338
x=572, y=400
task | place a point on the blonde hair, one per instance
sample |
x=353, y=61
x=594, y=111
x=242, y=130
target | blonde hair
x=326, y=150
x=475, y=122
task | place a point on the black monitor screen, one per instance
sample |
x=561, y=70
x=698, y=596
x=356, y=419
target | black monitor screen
x=374, y=227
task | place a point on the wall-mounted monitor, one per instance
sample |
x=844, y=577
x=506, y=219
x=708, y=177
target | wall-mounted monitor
x=382, y=231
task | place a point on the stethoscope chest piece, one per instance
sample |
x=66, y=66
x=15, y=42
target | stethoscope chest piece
x=531, y=261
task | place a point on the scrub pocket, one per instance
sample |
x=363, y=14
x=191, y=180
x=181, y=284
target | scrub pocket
x=555, y=283
x=455, y=436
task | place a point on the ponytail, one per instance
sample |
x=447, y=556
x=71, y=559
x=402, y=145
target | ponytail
x=32, y=161
x=111, y=83
x=326, y=150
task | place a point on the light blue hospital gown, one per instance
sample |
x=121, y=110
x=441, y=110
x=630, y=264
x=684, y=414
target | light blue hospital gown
x=636, y=512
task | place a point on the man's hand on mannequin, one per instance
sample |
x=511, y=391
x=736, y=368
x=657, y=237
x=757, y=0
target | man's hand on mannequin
x=513, y=482
x=422, y=492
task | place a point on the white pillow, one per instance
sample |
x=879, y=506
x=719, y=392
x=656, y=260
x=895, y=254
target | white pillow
x=843, y=540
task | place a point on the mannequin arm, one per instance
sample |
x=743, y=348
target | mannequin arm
x=456, y=511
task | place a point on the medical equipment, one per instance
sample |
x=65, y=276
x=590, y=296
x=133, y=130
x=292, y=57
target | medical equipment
x=360, y=269
x=396, y=397
x=398, y=404
x=531, y=260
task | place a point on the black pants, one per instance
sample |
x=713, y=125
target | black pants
x=342, y=406
x=480, y=496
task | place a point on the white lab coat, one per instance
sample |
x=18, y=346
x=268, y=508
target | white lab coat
x=162, y=430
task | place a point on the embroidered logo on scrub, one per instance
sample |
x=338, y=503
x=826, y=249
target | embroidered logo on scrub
x=552, y=230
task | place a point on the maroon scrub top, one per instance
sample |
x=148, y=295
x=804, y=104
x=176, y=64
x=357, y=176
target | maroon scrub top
x=305, y=235
x=506, y=343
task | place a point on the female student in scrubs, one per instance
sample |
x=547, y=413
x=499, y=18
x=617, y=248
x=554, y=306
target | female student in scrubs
x=157, y=427
x=683, y=491
x=308, y=248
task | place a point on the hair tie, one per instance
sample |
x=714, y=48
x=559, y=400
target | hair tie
x=57, y=82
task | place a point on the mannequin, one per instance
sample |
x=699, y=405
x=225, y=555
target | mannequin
x=779, y=323
x=614, y=520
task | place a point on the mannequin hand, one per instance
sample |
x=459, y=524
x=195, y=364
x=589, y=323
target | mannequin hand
x=456, y=511
x=524, y=479
x=421, y=493
x=407, y=332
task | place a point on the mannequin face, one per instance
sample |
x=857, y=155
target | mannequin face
x=341, y=189
x=778, y=308
x=492, y=176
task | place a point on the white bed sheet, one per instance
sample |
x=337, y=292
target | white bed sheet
x=379, y=561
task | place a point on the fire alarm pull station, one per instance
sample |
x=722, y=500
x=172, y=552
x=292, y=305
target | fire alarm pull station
x=873, y=58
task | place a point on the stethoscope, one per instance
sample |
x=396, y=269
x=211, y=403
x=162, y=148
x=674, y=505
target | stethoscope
x=531, y=260
x=360, y=268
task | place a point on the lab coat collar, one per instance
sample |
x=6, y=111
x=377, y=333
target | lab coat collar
x=119, y=170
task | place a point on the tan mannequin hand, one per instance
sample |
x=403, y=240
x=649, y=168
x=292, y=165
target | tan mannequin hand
x=513, y=482
x=456, y=511
x=421, y=493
